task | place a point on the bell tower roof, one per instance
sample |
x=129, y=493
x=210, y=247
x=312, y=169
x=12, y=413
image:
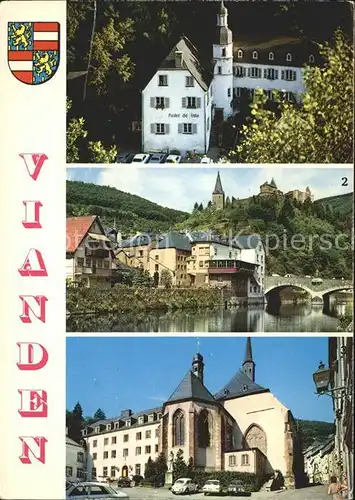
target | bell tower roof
x=224, y=34
x=218, y=189
x=248, y=356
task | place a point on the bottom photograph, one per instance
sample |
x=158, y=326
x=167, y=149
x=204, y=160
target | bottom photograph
x=227, y=416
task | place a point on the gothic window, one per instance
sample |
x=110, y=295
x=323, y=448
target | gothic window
x=288, y=57
x=203, y=430
x=255, y=437
x=240, y=54
x=178, y=428
x=255, y=54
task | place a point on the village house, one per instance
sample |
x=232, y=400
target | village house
x=188, y=97
x=271, y=189
x=320, y=461
x=89, y=256
x=76, y=461
x=242, y=428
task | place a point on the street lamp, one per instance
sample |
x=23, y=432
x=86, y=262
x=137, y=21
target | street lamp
x=322, y=380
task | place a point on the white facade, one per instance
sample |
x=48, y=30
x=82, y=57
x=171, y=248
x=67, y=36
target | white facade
x=121, y=448
x=176, y=115
x=286, y=79
x=76, y=467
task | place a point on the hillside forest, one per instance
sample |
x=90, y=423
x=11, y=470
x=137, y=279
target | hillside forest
x=271, y=217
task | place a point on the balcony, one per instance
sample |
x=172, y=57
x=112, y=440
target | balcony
x=98, y=253
x=230, y=266
x=94, y=270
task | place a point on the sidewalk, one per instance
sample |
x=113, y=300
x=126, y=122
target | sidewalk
x=310, y=493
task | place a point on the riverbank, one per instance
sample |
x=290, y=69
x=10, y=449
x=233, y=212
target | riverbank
x=122, y=298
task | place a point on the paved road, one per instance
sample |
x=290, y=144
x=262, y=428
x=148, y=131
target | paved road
x=313, y=493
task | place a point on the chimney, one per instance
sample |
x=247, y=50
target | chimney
x=178, y=59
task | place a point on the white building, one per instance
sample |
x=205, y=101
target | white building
x=76, y=463
x=176, y=103
x=187, y=95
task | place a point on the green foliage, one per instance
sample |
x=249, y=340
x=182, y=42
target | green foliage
x=131, y=299
x=75, y=422
x=313, y=229
x=154, y=474
x=318, y=131
x=166, y=279
x=314, y=430
x=77, y=145
x=180, y=468
x=251, y=482
x=132, y=213
x=99, y=414
x=142, y=279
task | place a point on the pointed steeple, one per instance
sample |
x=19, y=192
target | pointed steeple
x=273, y=183
x=224, y=35
x=197, y=366
x=218, y=187
x=248, y=363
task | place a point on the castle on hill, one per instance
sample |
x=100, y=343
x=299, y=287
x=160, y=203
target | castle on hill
x=267, y=189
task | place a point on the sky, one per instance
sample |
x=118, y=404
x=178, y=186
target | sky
x=180, y=188
x=117, y=373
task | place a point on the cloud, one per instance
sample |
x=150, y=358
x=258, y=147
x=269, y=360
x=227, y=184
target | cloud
x=180, y=188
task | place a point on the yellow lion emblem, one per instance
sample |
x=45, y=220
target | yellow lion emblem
x=21, y=35
x=44, y=63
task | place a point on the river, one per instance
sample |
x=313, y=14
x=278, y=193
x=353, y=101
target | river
x=287, y=318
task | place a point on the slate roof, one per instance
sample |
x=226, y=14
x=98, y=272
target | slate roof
x=174, y=240
x=120, y=417
x=77, y=228
x=218, y=189
x=241, y=242
x=239, y=385
x=191, y=388
x=248, y=356
x=70, y=441
x=193, y=61
x=138, y=240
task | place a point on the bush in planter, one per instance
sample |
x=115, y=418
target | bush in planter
x=251, y=482
x=137, y=480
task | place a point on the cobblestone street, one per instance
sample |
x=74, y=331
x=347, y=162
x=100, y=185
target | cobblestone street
x=313, y=493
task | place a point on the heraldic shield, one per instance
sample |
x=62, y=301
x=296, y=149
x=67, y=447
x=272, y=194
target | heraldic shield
x=33, y=51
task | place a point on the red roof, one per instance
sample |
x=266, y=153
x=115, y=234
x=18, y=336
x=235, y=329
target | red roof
x=77, y=228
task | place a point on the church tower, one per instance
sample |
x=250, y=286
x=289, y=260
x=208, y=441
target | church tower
x=223, y=67
x=218, y=197
x=248, y=363
x=197, y=366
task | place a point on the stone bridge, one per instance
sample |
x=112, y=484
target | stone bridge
x=315, y=290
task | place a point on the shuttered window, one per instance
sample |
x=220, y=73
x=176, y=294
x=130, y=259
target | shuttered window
x=187, y=128
x=191, y=102
x=159, y=128
x=160, y=102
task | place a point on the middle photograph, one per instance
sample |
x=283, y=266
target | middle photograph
x=205, y=250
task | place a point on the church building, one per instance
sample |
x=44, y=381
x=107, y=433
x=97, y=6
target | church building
x=243, y=428
x=189, y=94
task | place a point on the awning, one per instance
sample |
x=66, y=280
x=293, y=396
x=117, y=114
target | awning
x=98, y=237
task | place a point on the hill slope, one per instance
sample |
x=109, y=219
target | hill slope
x=314, y=430
x=342, y=203
x=132, y=213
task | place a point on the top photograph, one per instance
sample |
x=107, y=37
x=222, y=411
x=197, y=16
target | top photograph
x=218, y=82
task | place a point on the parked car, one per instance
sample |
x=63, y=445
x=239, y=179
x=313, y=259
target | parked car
x=125, y=158
x=317, y=281
x=205, y=159
x=141, y=158
x=87, y=490
x=212, y=486
x=173, y=159
x=235, y=488
x=158, y=158
x=124, y=482
x=183, y=486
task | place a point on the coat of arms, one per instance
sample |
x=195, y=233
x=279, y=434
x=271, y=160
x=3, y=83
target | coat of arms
x=33, y=51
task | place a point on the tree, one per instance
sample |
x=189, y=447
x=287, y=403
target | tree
x=99, y=415
x=78, y=148
x=75, y=422
x=166, y=278
x=142, y=279
x=320, y=130
x=287, y=214
x=150, y=469
x=179, y=465
x=195, y=207
x=200, y=207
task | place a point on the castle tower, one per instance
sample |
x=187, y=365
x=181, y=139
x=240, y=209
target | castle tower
x=218, y=197
x=223, y=68
x=248, y=363
x=197, y=366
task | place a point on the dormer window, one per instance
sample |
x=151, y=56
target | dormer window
x=151, y=417
x=240, y=54
x=311, y=59
x=128, y=423
x=255, y=54
x=226, y=392
x=271, y=56
x=97, y=429
x=85, y=432
x=117, y=425
x=288, y=57
x=141, y=420
x=245, y=388
x=159, y=416
x=108, y=427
